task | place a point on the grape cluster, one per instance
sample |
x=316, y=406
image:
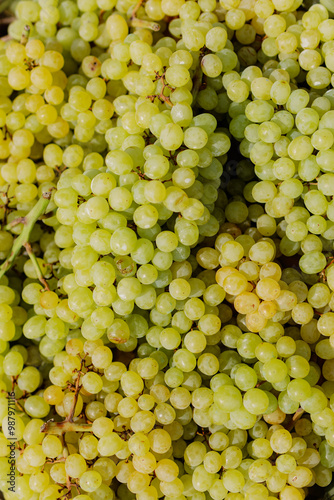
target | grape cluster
x=167, y=279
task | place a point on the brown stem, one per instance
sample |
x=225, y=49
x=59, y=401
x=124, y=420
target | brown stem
x=68, y=482
x=76, y=395
x=136, y=8
x=166, y=100
x=13, y=382
x=77, y=488
x=161, y=96
x=15, y=222
x=19, y=406
x=295, y=418
x=101, y=16
x=59, y=460
x=67, y=425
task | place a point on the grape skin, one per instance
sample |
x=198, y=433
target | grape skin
x=173, y=306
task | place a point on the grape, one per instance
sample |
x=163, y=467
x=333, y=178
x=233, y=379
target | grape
x=157, y=329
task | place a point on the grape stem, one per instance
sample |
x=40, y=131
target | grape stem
x=59, y=428
x=30, y=220
x=54, y=461
x=204, y=435
x=136, y=7
x=76, y=395
x=101, y=16
x=39, y=273
x=164, y=85
x=13, y=382
x=141, y=23
x=15, y=222
x=67, y=425
x=68, y=482
x=19, y=406
x=295, y=418
x=322, y=274
x=135, y=22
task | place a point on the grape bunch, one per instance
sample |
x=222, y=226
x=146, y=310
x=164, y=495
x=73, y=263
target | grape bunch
x=166, y=249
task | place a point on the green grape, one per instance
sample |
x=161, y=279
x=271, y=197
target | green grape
x=165, y=285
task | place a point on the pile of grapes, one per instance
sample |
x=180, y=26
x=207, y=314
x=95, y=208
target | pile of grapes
x=166, y=249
